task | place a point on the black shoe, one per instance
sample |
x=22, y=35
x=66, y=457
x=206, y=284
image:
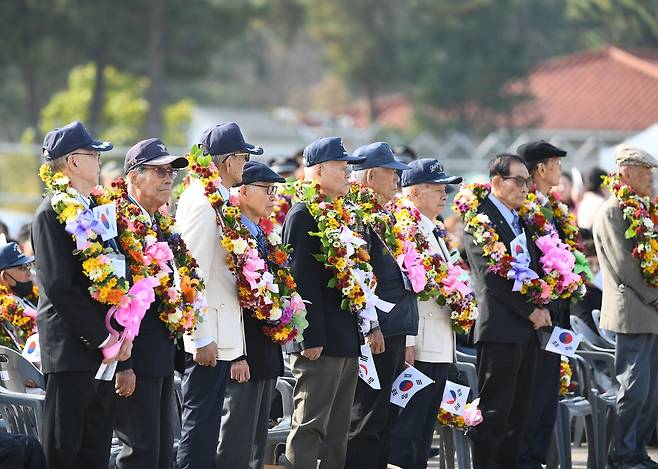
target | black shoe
x=434, y=452
x=647, y=463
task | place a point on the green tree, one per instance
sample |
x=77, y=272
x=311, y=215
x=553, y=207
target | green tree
x=123, y=111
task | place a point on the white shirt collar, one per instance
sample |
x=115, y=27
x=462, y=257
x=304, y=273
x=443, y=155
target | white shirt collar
x=426, y=224
x=224, y=192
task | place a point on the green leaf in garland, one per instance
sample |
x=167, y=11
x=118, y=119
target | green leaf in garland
x=630, y=232
x=332, y=282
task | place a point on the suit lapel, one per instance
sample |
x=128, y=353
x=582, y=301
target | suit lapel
x=500, y=224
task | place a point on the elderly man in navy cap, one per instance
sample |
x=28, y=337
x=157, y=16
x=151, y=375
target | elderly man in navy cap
x=78, y=413
x=432, y=348
x=372, y=413
x=217, y=347
x=16, y=276
x=145, y=383
x=544, y=162
x=243, y=433
x=325, y=363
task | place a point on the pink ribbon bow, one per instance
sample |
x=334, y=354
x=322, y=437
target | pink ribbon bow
x=297, y=303
x=472, y=415
x=252, y=268
x=453, y=283
x=160, y=253
x=83, y=227
x=130, y=313
x=30, y=312
x=411, y=262
x=556, y=255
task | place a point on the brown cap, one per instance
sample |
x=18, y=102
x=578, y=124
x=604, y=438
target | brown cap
x=626, y=155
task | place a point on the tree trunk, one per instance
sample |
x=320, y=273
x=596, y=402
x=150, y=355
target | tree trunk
x=98, y=94
x=371, y=97
x=155, y=62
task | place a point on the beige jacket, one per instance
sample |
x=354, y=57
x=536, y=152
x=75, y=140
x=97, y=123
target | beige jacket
x=435, y=342
x=628, y=302
x=223, y=322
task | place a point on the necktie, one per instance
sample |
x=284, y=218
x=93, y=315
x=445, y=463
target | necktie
x=516, y=224
x=260, y=239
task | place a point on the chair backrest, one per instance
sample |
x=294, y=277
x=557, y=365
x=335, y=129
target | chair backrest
x=15, y=369
x=469, y=371
x=596, y=315
x=22, y=413
x=285, y=389
x=582, y=376
x=591, y=339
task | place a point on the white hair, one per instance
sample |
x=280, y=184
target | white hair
x=310, y=172
x=359, y=176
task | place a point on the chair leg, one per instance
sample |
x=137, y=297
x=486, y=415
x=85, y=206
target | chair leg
x=562, y=433
x=579, y=427
x=462, y=447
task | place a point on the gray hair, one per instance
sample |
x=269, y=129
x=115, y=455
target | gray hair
x=359, y=176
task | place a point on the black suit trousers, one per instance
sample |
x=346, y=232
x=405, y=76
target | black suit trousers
x=21, y=452
x=541, y=419
x=77, y=429
x=144, y=424
x=373, y=415
x=506, y=378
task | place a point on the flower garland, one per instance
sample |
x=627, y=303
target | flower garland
x=12, y=311
x=559, y=261
x=182, y=302
x=270, y=295
x=566, y=385
x=105, y=287
x=343, y=254
x=528, y=283
x=430, y=275
x=283, y=203
x=640, y=213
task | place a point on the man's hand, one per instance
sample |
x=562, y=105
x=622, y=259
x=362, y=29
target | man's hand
x=410, y=355
x=375, y=340
x=206, y=356
x=125, y=383
x=240, y=371
x=540, y=317
x=312, y=353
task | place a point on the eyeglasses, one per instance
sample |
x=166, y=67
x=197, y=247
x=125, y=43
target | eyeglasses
x=27, y=268
x=162, y=172
x=246, y=156
x=271, y=190
x=96, y=155
x=520, y=181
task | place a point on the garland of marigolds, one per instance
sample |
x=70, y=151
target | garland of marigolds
x=640, y=213
x=270, y=293
x=181, y=293
x=13, y=311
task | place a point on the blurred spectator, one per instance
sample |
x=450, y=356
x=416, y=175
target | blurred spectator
x=299, y=159
x=286, y=167
x=564, y=188
x=4, y=229
x=593, y=198
x=110, y=171
x=25, y=239
x=593, y=297
x=404, y=153
x=455, y=230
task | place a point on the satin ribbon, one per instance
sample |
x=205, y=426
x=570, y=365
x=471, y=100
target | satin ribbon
x=472, y=415
x=130, y=313
x=453, y=281
x=252, y=268
x=83, y=227
x=350, y=240
x=30, y=312
x=556, y=255
x=520, y=271
x=267, y=282
x=160, y=253
x=411, y=263
x=372, y=302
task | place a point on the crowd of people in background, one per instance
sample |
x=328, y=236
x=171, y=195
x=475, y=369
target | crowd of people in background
x=298, y=264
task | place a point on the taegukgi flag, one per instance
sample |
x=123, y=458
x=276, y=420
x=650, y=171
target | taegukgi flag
x=407, y=384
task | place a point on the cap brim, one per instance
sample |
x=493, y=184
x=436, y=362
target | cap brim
x=100, y=146
x=22, y=260
x=350, y=159
x=253, y=149
x=398, y=165
x=177, y=162
x=446, y=180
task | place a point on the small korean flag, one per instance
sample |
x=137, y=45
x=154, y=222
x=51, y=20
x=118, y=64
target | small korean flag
x=32, y=351
x=407, y=384
x=367, y=370
x=563, y=342
x=106, y=215
x=454, y=398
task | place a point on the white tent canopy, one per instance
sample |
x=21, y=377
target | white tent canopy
x=646, y=140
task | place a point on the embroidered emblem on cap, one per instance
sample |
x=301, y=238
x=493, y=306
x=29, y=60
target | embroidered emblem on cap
x=436, y=167
x=162, y=147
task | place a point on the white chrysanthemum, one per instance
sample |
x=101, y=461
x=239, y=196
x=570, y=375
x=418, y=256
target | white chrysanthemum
x=240, y=246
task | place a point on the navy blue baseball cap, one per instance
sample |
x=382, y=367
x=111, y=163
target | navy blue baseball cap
x=223, y=139
x=11, y=256
x=255, y=171
x=427, y=171
x=151, y=152
x=71, y=137
x=378, y=155
x=328, y=149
